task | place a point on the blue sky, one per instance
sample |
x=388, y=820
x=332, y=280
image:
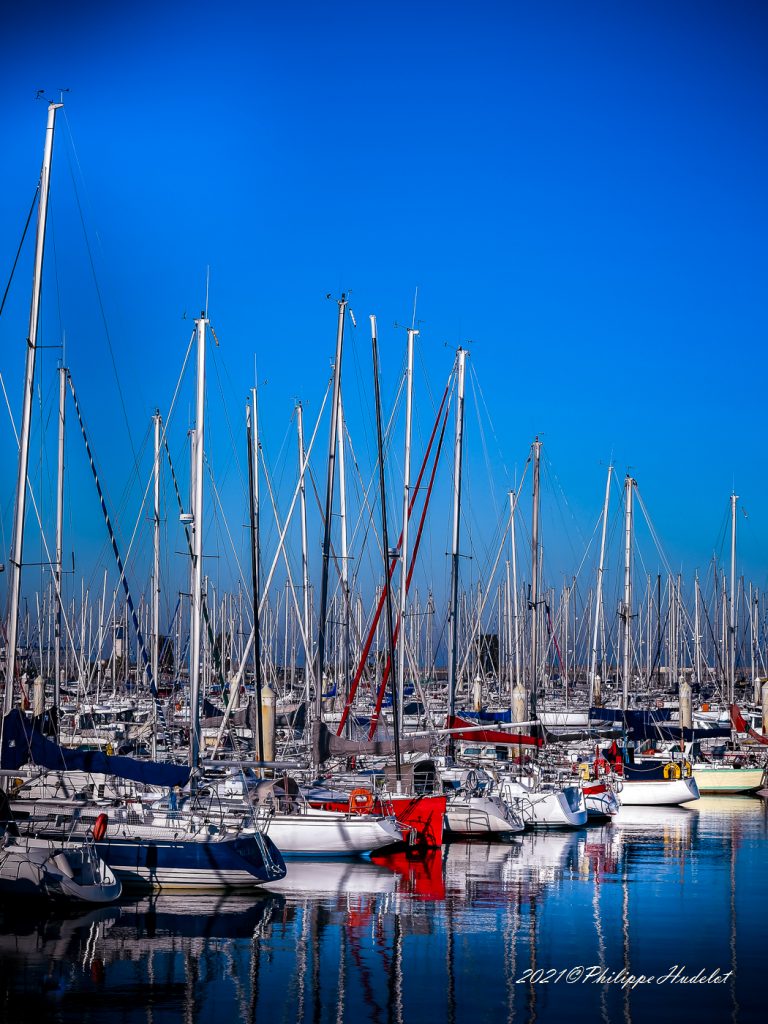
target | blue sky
x=578, y=190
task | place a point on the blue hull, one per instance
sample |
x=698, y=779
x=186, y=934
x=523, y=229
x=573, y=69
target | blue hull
x=224, y=865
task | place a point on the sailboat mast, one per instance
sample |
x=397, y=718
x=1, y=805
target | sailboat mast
x=345, y=609
x=17, y=544
x=697, y=629
x=627, y=610
x=156, y=572
x=732, y=610
x=385, y=545
x=328, y=509
x=453, y=616
x=304, y=555
x=515, y=613
x=594, y=694
x=197, y=548
x=253, y=509
x=535, y=575
x=59, y=540
x=406, y=502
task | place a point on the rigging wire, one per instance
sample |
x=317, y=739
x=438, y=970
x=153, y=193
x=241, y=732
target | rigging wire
x=21, y=244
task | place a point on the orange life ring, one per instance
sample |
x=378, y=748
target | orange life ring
x=361, y=800
x=100, y=827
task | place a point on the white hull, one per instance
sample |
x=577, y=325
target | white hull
x=330, y=833
x=659, y=793
x=547, y=808
x=480, y=815
x=601, y=801
x=41, y=867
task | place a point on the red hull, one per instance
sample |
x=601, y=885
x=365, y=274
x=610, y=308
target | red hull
x=423, y=815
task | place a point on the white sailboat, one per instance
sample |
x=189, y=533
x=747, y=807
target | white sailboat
x=481, y=816
x=544, y=805
x=278, y=809
x=31, y=866
x=473, y=810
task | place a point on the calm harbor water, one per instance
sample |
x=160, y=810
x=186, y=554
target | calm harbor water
x=538, y=929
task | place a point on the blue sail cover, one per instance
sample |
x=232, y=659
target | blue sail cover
x=655, y=724
x=22, y=744
x=505, y=715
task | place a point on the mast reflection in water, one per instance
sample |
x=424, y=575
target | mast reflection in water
x=453, y=936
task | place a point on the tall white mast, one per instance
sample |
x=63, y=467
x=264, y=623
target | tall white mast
x=627, y=609
x=453, y=619
x=567, y=617
x=732, y=610
x=321, y=623
x=17, y=545
x=345, y=609
x=197, y=548
x=59, y=537
x=304, y=558
x=156, y=572
x=753, y=620
x=697, y=629
x=252, y=437
x=599, y=592
x=406, y=501
x=535, y=576
x=509, y=672
x=515, y=614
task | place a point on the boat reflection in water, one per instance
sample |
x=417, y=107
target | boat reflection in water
x=315, y=877
x=453, y=936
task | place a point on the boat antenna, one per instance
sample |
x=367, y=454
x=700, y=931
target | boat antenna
x=415, y=300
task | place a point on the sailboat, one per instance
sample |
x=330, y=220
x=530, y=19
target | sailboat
x=140, y=846
x=645, y=781
x=473, y=810
x=31, y=866
x=404, y=790
x=278, y=809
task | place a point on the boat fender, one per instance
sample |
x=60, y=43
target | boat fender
x=100, y=827
x=672, y=771
x=361, y=800
x=109, y=750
